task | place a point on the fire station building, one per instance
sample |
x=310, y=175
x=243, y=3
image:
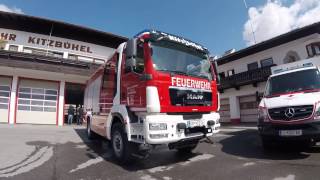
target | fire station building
x=245, y=72
x=44, y=65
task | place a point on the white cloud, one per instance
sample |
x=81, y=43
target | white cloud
x=275, y=18
x=8, y=9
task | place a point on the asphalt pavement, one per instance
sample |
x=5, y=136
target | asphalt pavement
x=50, y=152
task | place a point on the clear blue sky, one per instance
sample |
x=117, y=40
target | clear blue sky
x=216, y=24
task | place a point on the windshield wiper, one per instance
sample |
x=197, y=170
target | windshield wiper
x=172, y=72
x=175, y=72
x=179, y=72
x=310, y=90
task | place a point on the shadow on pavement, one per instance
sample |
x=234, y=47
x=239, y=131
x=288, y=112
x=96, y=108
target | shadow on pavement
x=247, y=144
x=158, y=157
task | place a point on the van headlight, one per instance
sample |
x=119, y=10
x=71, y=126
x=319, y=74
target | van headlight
x=263, y=114
x=157, y=126
x=317, y=111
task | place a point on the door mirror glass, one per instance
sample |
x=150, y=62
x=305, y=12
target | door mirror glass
x=131, y=48
x=135, y=57
x=215, y=68
x=131, y=53
x=130, y=64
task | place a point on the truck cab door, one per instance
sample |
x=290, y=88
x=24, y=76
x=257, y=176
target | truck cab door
x=107, y=94
x=133, y=88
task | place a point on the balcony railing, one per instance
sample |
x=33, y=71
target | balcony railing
x=44, y=59
x=46, y=63
x=245, y=78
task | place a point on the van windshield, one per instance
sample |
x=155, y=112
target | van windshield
x=293, y=82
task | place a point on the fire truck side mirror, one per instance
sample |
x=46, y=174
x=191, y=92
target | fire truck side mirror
x=131, y=53
x=215, y=68
x=130, y=64
x=131, y=48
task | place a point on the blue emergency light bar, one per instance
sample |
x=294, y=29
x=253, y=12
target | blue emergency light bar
x=173, y=38
x=295, y=66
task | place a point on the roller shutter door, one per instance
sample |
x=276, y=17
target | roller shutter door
x=5, y=89
x=37, y=102
x=248, y=108
x=224, y=110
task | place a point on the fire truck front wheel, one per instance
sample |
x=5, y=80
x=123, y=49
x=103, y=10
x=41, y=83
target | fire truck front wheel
x=122, y=148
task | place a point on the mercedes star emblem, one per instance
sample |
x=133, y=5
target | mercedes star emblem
x=289, y=112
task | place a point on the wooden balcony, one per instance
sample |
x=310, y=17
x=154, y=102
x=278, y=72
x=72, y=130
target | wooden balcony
x=245, y=78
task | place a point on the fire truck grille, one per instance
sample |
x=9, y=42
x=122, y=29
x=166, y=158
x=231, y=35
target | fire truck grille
x=291, y=113
x=190, y=98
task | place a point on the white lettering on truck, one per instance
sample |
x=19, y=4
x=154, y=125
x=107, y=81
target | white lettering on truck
x=190, y=83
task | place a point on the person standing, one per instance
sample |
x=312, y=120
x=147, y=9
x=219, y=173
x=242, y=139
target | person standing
x=80, y=115
x=70, y=114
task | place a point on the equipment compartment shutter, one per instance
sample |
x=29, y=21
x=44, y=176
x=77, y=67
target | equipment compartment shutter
x=224, y=110
x=37, y=102
x=248, y=108
x=5, y=91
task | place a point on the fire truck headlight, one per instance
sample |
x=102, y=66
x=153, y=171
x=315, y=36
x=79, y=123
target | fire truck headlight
x=157, y=126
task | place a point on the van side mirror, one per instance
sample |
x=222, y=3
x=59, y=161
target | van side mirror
x=131, y=53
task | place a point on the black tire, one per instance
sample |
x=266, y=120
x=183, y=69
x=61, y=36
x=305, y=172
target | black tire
x=267, y=144
x=91, y=135
x=121, y=147
x=187, y=149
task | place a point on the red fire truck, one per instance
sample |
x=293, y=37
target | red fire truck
x=156, y=89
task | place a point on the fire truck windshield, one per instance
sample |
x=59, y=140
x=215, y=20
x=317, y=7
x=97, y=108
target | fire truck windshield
x=179, y=59
x=294, y=82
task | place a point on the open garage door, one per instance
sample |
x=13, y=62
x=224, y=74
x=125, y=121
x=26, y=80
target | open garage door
x=248, y=108
x=5, y=88
x=74, y=96
x=37, y=102
x=224, y=110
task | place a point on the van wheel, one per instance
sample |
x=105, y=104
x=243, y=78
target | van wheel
x=122, y=148
x=91, y=135
x=267, y=144
x=187, y=149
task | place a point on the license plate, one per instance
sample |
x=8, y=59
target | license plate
x=192, y=123
x=290, y=132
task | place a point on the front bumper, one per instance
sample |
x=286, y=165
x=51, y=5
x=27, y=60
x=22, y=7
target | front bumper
x=310, y=130
x=173, y=134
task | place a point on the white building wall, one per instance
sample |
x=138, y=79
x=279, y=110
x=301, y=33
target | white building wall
x=17, y=73
x=13, y=96
x=277, y=53
x=234, y=108
x=61, y=102
x=27, y=39
x=84, y=52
